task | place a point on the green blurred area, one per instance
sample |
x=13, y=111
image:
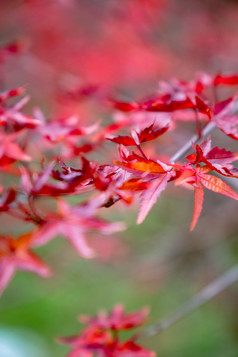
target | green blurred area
x=159, y=267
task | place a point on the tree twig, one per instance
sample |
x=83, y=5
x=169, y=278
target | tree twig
x=193, y=140
x=206, y=294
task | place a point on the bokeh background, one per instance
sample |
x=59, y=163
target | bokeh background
x=123, y=47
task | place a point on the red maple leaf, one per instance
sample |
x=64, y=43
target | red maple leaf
x=73, y=223
x=92, y=341
x=202, y=107
x=14, y=47
x=12, y=115
x=7, y=198
x=72, y=181
x=15, y=254
x=101, y=335
x=117, y=319
x=223, y=118
x=150, y=195
x=10, y=151
x=124, y=106
x=60, y=129
x=156, y=173
x=215, y=158
x=146, y=134
x=11, y=93
x=170, y=106
x=199, y=177
x=132, y=349
x=226, y=80
x=144, y=167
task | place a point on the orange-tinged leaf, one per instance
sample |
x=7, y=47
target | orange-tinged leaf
x=203, y=169
x=198, y=203
x=23, y=241
x=215, y=184
x=29, y=261
x=145, y=166
x=134, y=185
x=185, y=175
x=15, y=254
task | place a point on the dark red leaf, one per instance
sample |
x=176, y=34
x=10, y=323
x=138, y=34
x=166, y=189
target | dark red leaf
x=227, y=80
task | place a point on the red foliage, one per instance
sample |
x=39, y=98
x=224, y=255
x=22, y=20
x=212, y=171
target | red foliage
x=135, y=173
x=71, y=151
x=101, y=335
x=15, y=254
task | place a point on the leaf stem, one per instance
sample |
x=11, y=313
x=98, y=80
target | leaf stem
x=142, y=152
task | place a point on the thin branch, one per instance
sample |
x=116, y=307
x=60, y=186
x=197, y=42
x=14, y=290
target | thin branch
x=206, y=294
x=193, y=140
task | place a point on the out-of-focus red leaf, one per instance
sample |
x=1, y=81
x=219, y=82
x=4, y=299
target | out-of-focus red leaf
x=11, y=93
x=9, y=149
x=172, y=106
x=15, y=254
x=124, y=106
x=7, y=198
x=130, y=348
x=101, y=337
x=202, y=107
x=228, y=124
x=16, y=46
x=124, y=140
x=117, y=319
x=224, y=117
x=226, y=80
x=73, y=223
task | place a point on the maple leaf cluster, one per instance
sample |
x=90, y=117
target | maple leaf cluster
x=44, y=162
x=101, y=336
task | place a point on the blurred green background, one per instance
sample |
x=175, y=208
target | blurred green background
x=157, y=264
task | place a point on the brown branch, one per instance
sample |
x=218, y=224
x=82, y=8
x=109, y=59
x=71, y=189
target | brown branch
x=206, y=294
